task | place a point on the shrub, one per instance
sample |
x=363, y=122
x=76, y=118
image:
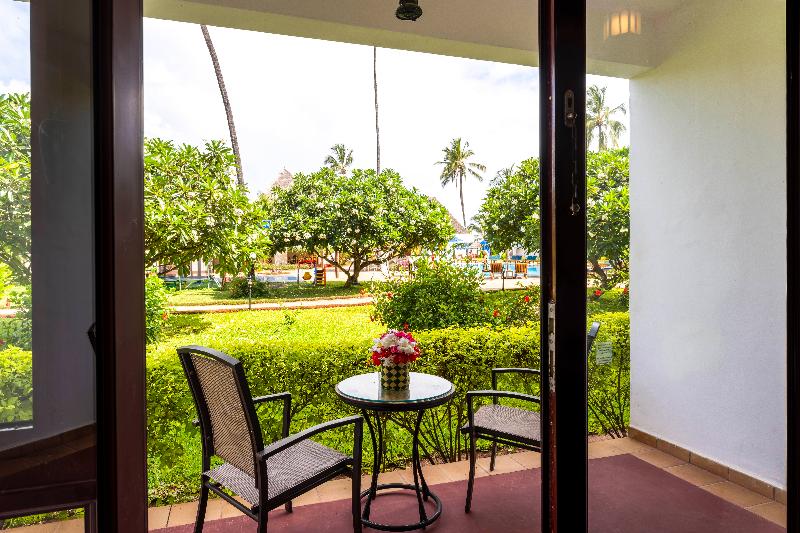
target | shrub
x=514, y=307
x=16, y=385
x=17, y=331
x=610, y=385
x=438, y=296
x=606, y=301
x=238, y=288
x=155, y=303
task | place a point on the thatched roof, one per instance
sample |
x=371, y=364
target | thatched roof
x=458, y=227
x=284, y=180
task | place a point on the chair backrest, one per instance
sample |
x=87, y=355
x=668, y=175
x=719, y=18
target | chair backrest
x=592, y=336
x=227, y=416
x=497, y=268
x=520, y=267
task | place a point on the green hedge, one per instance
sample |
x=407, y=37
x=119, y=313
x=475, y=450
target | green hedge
x=16, y=386
x=310, y=370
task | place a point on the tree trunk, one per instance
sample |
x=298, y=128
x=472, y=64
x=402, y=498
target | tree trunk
x=597, y=269
x=226, y=103
x=461, y=194
x=377, y=127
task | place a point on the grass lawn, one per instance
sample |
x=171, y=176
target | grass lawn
x=258, y=327
x=304, y=291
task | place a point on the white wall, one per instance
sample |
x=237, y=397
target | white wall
x=708, y=266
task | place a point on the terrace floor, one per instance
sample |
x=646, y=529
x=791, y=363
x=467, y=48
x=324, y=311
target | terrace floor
x=741, y=497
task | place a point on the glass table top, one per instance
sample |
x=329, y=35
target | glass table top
x=366, y=389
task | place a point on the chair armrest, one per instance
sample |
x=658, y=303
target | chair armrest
x=287, y=408
x=279, y=446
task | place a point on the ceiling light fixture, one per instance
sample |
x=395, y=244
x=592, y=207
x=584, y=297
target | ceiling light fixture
x=622, y=22
x=409, y=10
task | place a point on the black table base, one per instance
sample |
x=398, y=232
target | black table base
x=420, y=487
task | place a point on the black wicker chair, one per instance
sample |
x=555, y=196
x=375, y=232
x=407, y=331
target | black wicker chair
x=264, y=477
x=502, y=424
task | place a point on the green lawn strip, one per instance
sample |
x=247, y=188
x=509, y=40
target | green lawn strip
x=292, y=292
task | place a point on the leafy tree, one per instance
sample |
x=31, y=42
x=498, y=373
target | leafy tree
x=368, y=217
x=195, y=210
x=600, y=119
x=226, y=103
x=457, y=168
x=509, y=215
x=340, y=159
x=608, y=215
x=15, y=185
x=510, y=212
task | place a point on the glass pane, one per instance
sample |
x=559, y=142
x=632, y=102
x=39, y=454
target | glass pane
x=47, y=393
x=687, y=142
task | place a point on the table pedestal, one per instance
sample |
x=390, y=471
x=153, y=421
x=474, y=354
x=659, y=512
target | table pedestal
x=420, y=487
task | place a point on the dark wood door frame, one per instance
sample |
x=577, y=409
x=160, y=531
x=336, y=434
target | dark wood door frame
x=119, y=132
x=562, y=104
x=793, y=261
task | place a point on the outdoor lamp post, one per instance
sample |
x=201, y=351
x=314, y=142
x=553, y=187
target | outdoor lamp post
x=250, y=277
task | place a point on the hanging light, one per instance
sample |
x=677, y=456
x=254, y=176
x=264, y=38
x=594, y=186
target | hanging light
x=409, y=10
x=622, y=22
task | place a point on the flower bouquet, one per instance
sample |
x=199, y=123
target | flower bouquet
x=393, y=351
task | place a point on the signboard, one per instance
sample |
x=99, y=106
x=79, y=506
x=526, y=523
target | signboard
x=604, y=352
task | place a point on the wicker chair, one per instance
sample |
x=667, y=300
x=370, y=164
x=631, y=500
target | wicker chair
x=512, y=426
x=263, y=477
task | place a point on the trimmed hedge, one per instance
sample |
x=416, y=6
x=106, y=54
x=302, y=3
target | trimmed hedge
x=16, y=385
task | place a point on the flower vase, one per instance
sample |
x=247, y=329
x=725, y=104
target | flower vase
x=394, y=377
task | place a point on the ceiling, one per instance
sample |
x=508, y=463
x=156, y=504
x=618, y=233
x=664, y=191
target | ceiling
x=477, y=29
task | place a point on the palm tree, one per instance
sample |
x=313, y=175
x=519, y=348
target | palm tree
x=457, y=168
x=600, y=119
x=226, y=103
x=340, y=159
x=377, y=127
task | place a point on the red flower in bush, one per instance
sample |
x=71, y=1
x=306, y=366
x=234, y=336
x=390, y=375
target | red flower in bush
x=527, y=299
x=625, y=290
x=164, y=315
x=496, y=313
x=598, y=292
x=405, y=326
x=2, y=342
x=389, y=295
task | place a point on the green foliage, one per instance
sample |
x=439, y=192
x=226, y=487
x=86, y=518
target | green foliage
x=15, y=184
x=155, y=304
x=195, y=210
x=610, y=385
x=16, y=386
x=514, y=307
x=370, y=217
x=608, y=213
x=17, y=331
x=509, y=215
x=439, y=295
x=610, y=301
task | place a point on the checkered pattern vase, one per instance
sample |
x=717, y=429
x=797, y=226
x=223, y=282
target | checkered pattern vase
x=394, y=377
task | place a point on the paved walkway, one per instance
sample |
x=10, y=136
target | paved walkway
x=338, y=489
x=273, y=306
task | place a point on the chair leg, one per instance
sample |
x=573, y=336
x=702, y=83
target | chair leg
x=357, y=501
x=201, y=506
x=471, y=481
x=288, y=506
x=263, y=514
x=494, y=454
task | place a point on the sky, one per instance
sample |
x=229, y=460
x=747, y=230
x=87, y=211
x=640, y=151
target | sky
x=293, y=98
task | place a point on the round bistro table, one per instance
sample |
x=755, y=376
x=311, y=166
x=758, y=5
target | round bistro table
x=425, y=391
